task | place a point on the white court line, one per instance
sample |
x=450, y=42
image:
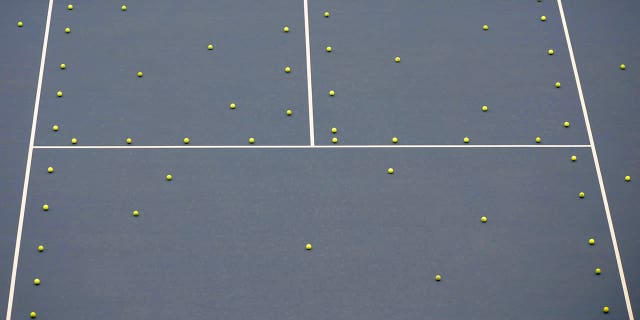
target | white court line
x=394, y=146
x=25, y=187
x=312, y=138
x=597, y=163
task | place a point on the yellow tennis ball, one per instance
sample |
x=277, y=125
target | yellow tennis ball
x=627, y=178
x=123, y=8
x=55, y=127
x=485, y=27
x=210, y=46
x=327, y=14
x=59, y=93
x=581, y=194
x=557, y=84
x=566, y=124
x=287, y=69
x=485, y=108
x=252, y=140
x=232, y=106
x=543, y=18
x=136, y=213
x=186, y=140
x=50, y=169
x=329, y=49
x=397, y=59
x=289, y=112
x=592, y=241
x=574, y=158
x=334, y=140
x=538, y=139
x=40, y=248
x=622, y=67
x=332, y=93
x=45, y=207
x=129, y=140
x=33, y=314
x=285, y=29
x=140, y=74
x=63, y=66
x=308, y=246
x=20, y=24
x=466, y=140
x=394, y=140
x=605, y=309
x=483, y=219
x=67, y=30
x=390, y=171
x=74, y=141
x=70, y=7
x=550, y=52
x=334, y=130
x=36, y=281
x=438, y=277
x=598, y=271
x=169, y=177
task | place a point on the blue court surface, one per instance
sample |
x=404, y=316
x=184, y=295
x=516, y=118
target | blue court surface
x=306, y=159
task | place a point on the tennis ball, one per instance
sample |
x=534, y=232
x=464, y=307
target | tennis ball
x=136, y=213
x=538, y=139
x=59, y=94
x=329, y=49
x=285, y=29
x=334, y=130
x=210, y=46
x=466, y=140
x=627, y=178
x=438, y=277
x=186, y=140
x=232, y=106
x=485, y=27
x=33, y=314
x=252, y=140
x=332, y=93
x=169, y=177
x=308, y=246
x=20, y=24
x=70, y=7
x=574, y=158
x=622, y=67
x=605, y=309
x=557, y=84
x=390, y=171
x=140, y=74
x=598, y=271
x=45, y=207
x=566, y=124
x=74, y=141
x=129, y=140
x=67, y=30
x=397, y=59
x=334, y=140
x=543, y=18
x=287, y=69
x=581, y=194
x=36, y=281
x=123, y=8
x=327, y=14
x=55, y=127
x=550, y=52
x=63, y=66
x=50, y=169
x=485, y=108
x=289, y=112
x=40, y=248
x=394, y=140
x=592, y=241
x=483, y=219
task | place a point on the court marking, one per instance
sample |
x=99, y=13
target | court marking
x=596, y=162
x=25, y=187
x=394, y=146
x=312, y=138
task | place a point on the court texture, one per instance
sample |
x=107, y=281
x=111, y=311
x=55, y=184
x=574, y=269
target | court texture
x=320, y=159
